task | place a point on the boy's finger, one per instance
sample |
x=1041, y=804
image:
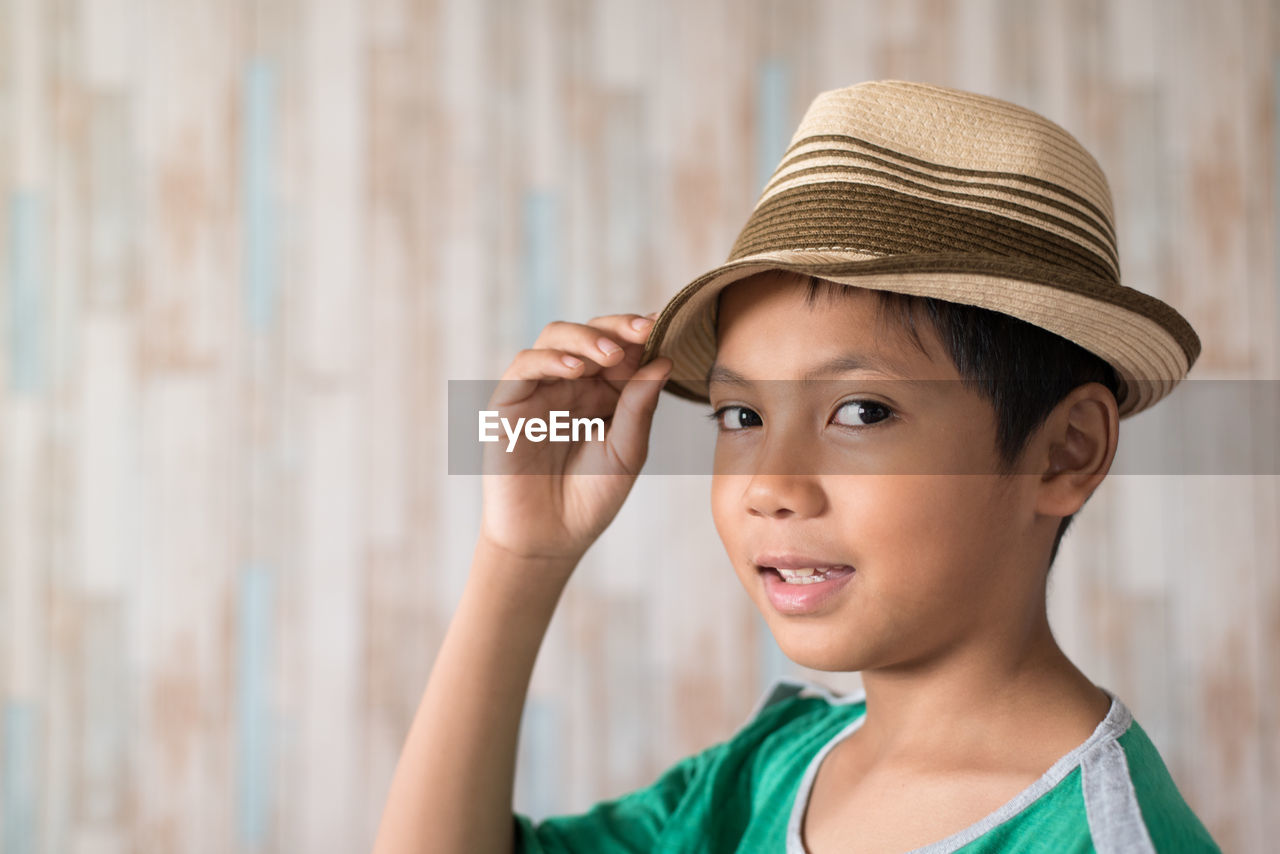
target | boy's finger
x=628, y=439
x=633, y=331
x=601, y=338
x=528, y=368
x=630, y=327
x=598, y=349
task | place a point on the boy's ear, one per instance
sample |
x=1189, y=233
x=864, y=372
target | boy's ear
x=1079, y=441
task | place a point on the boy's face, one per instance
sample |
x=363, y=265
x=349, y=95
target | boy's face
x=939, y=559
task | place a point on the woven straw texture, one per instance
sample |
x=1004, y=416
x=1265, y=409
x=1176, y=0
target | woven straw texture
x=932, y=191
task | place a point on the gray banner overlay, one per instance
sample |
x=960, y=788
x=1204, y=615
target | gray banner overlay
x=1210, y=427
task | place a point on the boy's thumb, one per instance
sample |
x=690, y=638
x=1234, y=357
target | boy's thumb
x=628, y=439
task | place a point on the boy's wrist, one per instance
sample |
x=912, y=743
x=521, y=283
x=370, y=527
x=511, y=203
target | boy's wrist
x=523, y=571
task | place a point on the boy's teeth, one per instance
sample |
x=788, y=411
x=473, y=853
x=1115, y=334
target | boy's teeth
x=807, y=575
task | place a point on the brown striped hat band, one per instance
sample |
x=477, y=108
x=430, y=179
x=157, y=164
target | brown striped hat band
x=929, y=191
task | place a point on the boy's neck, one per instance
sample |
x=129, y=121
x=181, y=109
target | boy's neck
x=980, y=701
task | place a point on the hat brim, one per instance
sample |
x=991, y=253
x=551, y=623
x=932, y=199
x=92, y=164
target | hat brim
x=1149, y=344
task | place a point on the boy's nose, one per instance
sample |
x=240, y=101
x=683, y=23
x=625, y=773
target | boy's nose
x=781, y=494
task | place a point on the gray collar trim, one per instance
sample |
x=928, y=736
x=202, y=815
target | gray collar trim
x=1108, y=730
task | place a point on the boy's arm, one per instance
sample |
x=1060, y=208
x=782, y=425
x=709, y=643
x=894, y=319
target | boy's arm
x=543, y=504
x=452, y=790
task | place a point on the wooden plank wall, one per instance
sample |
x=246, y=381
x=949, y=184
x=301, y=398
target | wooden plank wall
x=244, y=245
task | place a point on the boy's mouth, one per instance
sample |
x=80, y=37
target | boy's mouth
x=799, y=569
x=810, y=574
x=804, y=590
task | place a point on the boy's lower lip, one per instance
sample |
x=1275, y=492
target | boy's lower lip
x=800, y=598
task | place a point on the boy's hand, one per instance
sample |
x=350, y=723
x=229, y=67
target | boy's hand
x=531, y=509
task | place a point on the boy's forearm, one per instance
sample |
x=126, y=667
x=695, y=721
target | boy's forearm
x=452, y=790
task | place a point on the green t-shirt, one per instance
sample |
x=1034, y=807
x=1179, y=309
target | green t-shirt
x=1112, y=793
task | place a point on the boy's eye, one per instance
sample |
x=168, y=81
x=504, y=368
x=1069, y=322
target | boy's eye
x=732, y=418
x=867, y=409
x=864, y=413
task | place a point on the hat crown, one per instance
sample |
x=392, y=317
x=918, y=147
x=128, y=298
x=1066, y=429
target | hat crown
x=896, y=167
x=935, y=192
x=955, y=128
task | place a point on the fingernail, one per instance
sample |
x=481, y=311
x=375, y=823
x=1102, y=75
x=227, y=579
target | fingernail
x=607, y=347
x=641, y=322
x=570, y=361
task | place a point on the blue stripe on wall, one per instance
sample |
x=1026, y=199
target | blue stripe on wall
x=26, y=311
x=260, y=221
x=21, y=777
x=773, y=133
x=773, y=122
x=540, y=771
x=540, y=267
x=1275, y=190
x=261, y=295
x=772, y=662
x=253, y=789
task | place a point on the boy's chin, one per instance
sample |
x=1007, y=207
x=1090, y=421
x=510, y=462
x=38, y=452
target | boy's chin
x=816, y=649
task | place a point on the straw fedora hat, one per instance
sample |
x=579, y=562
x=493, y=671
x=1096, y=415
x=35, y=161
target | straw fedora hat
x=925, y=190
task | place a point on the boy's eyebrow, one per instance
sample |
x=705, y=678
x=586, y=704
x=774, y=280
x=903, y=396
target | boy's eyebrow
x=842, y=364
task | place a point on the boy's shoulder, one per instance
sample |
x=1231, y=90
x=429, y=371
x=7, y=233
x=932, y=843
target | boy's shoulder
x=787, y=698
x=1169, y=819
x=1115, y=787
x=794, y=717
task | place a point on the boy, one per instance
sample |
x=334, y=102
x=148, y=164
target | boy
x=928, y=287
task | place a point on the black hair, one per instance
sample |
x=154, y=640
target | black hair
x=1023, y=371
